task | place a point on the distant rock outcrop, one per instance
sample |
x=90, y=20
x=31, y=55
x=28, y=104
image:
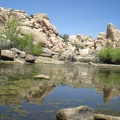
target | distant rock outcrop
x=112, y=32
x=110, y=38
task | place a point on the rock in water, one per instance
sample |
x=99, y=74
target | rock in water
x=78, y=113
x=42, y=77
x=105, y=117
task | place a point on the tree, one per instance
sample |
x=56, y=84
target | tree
x=65, y=37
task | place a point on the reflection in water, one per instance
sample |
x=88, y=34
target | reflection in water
x=17, y=82
x=110, y=93
x=37, y=93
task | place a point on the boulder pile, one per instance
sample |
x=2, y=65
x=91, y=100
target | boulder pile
x=16, y=55
x=78, y=47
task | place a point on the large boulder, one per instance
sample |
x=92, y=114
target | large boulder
x=41, y=16
x=39, y=37
x=101, y=36
x=47, y=53
x=112, y=32
x=20, y=15
x=78, y=113
x=84, y=52
x=100, y=44
x=59, y=47
x=46, y=23
x=30, y=58
x=16, y=51
x=7, y=55
x=22, y=54
x=68, y=55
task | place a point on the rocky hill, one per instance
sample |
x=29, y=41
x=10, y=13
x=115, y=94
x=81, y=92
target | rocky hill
x=77, y=48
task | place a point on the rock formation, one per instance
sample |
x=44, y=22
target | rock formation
x=110, y=38
x=78, y=47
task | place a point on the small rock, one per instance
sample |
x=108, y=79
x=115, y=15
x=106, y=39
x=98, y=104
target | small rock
x=16, y=51
x=22, y=54
x=42, y=77
x=30, y=58
x=105, y=117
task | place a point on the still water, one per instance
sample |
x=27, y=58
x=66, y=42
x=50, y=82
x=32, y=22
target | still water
x=24, y=98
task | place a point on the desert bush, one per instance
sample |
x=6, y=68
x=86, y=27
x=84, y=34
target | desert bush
x=110, y=55
x=115, y=56
x=11, y=33
x=26, y=43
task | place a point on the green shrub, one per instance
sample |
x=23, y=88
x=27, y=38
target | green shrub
x=37, y=49
x=110, y=55
x=26, y=43
x=105, y=55
x=115, y=56
x=11, y=32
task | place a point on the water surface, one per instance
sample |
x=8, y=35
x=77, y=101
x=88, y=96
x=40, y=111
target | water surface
x=24, y=98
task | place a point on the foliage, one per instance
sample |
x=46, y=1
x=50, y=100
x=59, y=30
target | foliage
x=32, y=15
x=110, y=55
x=65, y=37
x=78, y=46
x=115, y=55
x=105, y=55
x=26, y=43
x=11, y=32
x=37, y=49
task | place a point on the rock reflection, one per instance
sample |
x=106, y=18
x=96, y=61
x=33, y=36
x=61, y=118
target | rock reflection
x=36, y=94
x=17, y=81
x=110, y=93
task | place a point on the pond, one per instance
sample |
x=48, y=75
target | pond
x=24, y=98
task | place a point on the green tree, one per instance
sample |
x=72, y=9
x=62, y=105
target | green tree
x=65, y=37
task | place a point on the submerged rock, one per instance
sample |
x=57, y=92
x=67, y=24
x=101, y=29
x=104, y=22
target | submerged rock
x=42, y=77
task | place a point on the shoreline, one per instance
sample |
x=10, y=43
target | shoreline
x=47, y=60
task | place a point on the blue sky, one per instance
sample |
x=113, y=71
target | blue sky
x=87, y=17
